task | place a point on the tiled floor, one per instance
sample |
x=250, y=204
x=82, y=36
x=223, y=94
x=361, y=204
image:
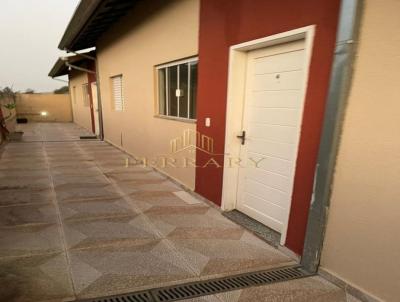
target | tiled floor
x=313, y=289
x=75, y=222
x=51, y=132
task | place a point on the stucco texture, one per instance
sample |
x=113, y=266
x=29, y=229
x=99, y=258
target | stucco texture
x=56, y=106
x=152, y=34
x=362, y=245
x=81, y=113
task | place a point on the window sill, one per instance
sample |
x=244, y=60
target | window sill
x=174, y=118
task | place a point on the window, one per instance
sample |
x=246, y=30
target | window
x=177, y=89
x=85, y=92
x=117, y=93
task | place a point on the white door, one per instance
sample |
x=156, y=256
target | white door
x=272, y=115
x=95, y=108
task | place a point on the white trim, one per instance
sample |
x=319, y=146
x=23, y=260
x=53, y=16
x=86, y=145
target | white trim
x=170, y=117
x=188, y=94
x=174, y=63
x=178, y=98
x=234, y=107
x=166, y=92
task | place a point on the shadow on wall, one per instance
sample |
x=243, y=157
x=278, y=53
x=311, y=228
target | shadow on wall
x=44, y=107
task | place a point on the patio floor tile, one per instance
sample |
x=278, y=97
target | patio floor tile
x=35, y=278
x=24, y=195
x=27, y=214
x=312, y=289
x=30, y=240
x=77, y=222
x=117, y=230
x=118, y=269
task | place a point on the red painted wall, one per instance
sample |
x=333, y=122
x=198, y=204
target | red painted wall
x=228, y=22
x=91, y=79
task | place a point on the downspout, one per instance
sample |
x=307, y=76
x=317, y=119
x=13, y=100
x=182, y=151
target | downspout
x=99, y=107
x=339, y=87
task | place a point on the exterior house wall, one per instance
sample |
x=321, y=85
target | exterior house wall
x=57, y=107
x=151, y=34
x=225, y=23
x=361, y=245
x=81, y=113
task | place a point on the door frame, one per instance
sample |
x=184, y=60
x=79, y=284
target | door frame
x=95, y=104
x=235, y=105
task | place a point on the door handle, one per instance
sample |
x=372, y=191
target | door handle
x=242, y=137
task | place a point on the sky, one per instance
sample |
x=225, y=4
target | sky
x=30, y=31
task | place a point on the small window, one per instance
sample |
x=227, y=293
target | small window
x=117, y=93
x=85, y=92
x=177, y=89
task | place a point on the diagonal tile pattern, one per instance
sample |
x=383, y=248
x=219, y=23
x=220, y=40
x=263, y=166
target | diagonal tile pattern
x=76, y=222
x=313, y=289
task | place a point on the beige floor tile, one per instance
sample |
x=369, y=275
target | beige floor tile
x=30, y=240
x=106, y=271
x=35, y=278
x=313, y=289
x=27, y=215
x=124, y=228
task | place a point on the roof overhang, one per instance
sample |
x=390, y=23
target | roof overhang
x=90, y=20
x=60, y=68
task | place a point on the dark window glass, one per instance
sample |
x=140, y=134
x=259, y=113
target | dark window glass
x=193, y=90
x=172, y=86
x=162, y=91
x=183, y=87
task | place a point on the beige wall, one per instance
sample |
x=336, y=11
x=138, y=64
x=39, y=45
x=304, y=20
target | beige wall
x=132, y=48
x=362, y=243
x=57, y=106
x=81, y=113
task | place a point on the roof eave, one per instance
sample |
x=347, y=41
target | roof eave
x=57, y=69
x=78, y=21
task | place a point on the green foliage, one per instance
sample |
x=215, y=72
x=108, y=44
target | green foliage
x=10, y=106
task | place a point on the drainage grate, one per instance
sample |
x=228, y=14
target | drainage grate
x=134, y=297
x=209, y=287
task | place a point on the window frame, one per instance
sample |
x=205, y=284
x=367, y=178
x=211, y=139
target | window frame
x=122, y=93
x=157, y=90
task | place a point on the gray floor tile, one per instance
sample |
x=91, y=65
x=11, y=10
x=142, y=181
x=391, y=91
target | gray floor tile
x=35, y=278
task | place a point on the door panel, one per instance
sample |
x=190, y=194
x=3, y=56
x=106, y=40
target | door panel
x=266, y=148
x=274, y=116
x=277, y=63
x=278, y=133
x=271, y=118
x=276, y=99
x=95, y=108
x=277, y=81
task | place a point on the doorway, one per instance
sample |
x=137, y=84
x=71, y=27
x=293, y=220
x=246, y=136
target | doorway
x=267, y=85
x=95, y=108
